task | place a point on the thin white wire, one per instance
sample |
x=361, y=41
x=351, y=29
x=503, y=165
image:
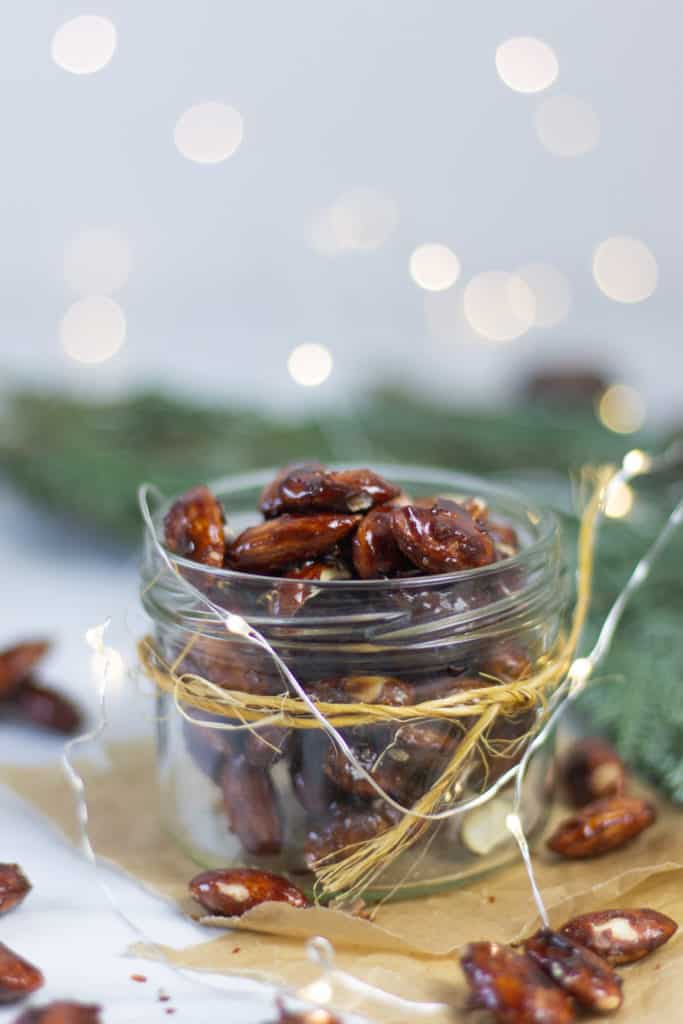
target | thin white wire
x=235, y=624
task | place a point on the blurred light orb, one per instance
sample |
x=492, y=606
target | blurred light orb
x=526, y=64
x=552, y=292
x=636, y=462
x=621, y=409
x=93, y=329
x=309, y=365
x=619, y=500
x=567, y=126
x=363, y=219
x=209, y=132
x=625, y=269
x=434, y=267
x=499, y=306
x=97, y=261
x=84, y=44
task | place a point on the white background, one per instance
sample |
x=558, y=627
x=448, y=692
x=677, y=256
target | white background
x=399, y=96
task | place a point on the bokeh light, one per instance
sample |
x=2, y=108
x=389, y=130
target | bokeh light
x=625, y=269
x=567, y=126
x=310, y=365
x=363, y=219
x=93, y=329
x=209, y=132
x=84, y=44
x=526, y=64
x=552, y=292
x=111, y=662
x=499, y=306
x=621, y=409
x=434, y=267
x=97, y=261
x=619, y=500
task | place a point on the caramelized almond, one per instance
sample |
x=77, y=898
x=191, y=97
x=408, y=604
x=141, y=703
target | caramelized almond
x=194, y=527
x=14, y=886
x=17, y=663
x=251, y=806
x=310, y=488
x=577, y=970
x=621, y=936
x=230, y=892
x=602, y=826
x=43, y=706
x=513, y=987
x=61, y=1013
x=593, y=770
x=375, y=551
x=276, y=544
x=439, y=540
x=18, y=978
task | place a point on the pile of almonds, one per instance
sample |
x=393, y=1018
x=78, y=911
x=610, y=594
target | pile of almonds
x=558, y=971
x=19, y=978
x=339, y=524
x=24, y=697
x=321, y=524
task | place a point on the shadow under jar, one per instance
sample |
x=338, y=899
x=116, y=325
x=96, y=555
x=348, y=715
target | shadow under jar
x=283, y=798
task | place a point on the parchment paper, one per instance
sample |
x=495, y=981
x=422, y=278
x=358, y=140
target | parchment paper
x=409, y=949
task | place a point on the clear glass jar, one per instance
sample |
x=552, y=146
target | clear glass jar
x=229, y=798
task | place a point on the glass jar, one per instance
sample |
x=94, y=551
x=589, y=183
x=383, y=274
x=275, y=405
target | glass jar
x=283, y=798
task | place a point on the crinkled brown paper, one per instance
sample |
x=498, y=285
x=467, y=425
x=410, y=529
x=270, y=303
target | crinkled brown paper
x=410, y=948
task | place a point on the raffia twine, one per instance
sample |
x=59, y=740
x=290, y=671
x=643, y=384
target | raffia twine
x=350, y=870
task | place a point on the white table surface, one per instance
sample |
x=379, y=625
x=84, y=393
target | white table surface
x=58, y=582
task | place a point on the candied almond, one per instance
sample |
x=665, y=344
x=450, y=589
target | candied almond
x=43, y=706
x=194, y=527
x=18, y=978
x=439, y=540
x=512, y=986
x=577, y=970
x=61, y=1013
x=16, y=664
x=279, y=543
x=602, y=826
x=308, y=488
x=343, y=827
x=252, y=807
x=230, y=892
x=621, y=936
x=362, y=689
x=592, y=770
x=14, y=886
x=375, y=551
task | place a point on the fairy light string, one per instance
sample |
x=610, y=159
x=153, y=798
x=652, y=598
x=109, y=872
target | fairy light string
x=635, y=463
x=579, y=675
x=350, y=869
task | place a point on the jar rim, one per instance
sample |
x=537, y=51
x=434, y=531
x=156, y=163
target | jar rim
x=543, y=520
